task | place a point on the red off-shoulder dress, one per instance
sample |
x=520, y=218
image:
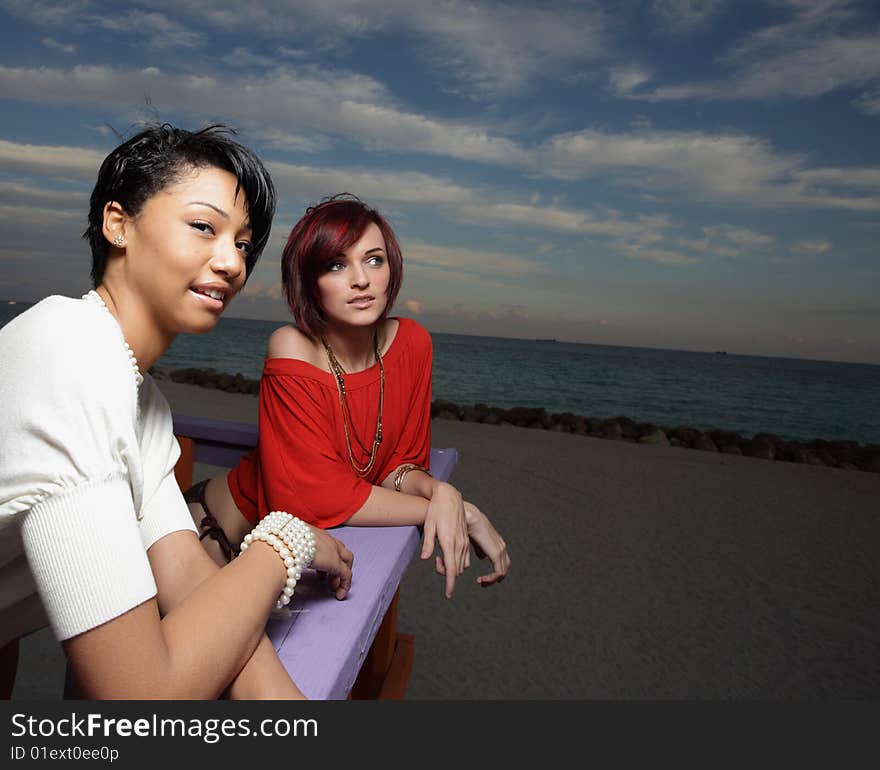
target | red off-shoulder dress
x=301, y=462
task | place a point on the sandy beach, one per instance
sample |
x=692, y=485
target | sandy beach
x=639, y=572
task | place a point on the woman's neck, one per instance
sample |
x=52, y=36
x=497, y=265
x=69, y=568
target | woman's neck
x=353, y=347
x=146, y=342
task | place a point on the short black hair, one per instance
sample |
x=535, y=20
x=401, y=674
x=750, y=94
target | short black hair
x=156, y=158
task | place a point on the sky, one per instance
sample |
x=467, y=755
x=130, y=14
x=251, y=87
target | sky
x=658, y=173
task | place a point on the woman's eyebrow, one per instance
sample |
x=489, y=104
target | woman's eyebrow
x=220, y=211
x=375, y=248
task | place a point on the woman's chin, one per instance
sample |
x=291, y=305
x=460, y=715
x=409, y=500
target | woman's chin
x=202, y=325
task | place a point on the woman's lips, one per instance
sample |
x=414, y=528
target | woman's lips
x=209, y=302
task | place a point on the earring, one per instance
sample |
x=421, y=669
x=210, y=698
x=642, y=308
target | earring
x=118, y=241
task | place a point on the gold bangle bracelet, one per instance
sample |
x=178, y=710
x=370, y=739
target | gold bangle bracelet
x=403, y=470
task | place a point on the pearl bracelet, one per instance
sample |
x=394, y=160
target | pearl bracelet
x=292, y=539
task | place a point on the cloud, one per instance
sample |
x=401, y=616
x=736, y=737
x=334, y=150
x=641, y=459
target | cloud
x=869, y=102
x=51, y=42
x=471, y=261
x=684, y=16
x=17, y=194
x=501, y=49
x=646, y=251
x=52, y=161
x=312, y=183
x=722, y=165
x=324, y=105
x=741, y=236
x=811, y=247
x=558, y=219
x=625, y=79
x=336, y=103
x=158, y=29
x=491, y=49
x=819, y=48
x=709, y=167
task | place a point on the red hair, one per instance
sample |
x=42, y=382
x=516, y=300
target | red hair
x=324, y=232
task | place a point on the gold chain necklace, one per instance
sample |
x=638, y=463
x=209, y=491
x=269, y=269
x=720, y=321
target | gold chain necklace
x=337, y=371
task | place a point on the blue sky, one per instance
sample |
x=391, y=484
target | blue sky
x=663, y=173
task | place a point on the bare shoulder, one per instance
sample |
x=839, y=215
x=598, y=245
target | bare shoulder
x=290, y=342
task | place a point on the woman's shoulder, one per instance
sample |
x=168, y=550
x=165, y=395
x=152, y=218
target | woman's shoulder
x=289, y=342
x=59, y=334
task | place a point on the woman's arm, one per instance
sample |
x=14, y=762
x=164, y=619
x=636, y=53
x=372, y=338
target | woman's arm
x=447, y=505
x=196, y=650
x=180, y=564
x=436, y=505
x=189, y=644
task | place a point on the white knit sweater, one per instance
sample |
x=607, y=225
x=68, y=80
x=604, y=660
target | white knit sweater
x=86, y=472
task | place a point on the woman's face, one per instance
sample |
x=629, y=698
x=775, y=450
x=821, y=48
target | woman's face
x=353, y=287
x=185, y=251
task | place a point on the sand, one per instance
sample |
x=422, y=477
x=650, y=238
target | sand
x=639, y=572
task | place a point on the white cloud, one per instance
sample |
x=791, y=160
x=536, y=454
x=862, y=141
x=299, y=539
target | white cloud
x=819, y=48
x=468, y=261
x=869, y=102
x=726, y=242
x=720, y=165
x=646, y=252
x=683, y=16
x=342, y=104
x=52, y=161
x=313, y=183
x=493, y=48
x=55, y=45
x=709, y=168
x=17, y=194
x=558, y=219
x=866, y=179
x=501, y=49
x=811, y=247
x=741, y=236
x=160, y=30
x=625, y=79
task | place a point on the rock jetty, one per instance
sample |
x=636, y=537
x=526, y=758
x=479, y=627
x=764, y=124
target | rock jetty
x=847, y=455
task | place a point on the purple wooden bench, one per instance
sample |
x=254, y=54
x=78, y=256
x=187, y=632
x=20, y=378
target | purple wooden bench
x=332, y=649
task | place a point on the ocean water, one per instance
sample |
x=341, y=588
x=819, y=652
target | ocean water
x=793, y=398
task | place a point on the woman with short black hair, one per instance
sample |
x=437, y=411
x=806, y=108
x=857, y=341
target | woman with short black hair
x=95, y=536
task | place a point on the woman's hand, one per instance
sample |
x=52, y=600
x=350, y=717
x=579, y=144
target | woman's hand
x=445, y=520
x=487, y=540
x=334, y=560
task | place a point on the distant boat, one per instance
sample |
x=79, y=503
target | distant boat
x=720, y=352
x=549, y=340
x=12, y=302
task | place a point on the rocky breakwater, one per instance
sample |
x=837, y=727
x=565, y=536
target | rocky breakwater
x=847, y=455
x=209, y=378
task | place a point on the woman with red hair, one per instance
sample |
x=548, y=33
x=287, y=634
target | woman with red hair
x=345, y=405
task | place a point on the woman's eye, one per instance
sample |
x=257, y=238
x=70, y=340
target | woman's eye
x=335, y=267
x=246, y=247
x=377, y=261
x=204, y=227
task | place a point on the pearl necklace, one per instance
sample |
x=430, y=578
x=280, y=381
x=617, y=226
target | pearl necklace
x=96, y=299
